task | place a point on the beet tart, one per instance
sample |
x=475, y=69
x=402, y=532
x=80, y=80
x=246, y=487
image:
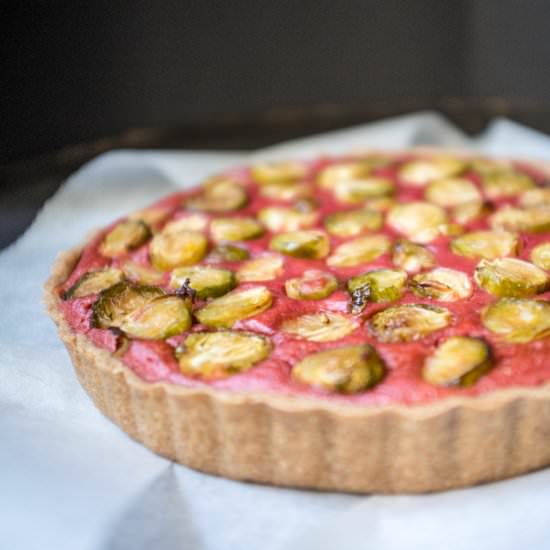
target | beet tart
x=368, y=323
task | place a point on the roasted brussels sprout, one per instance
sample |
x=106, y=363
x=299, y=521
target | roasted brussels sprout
x=281, y=218
x=419, y=221
x=270, y=172
x=484, y=165
x=94, y=282
x=380, y=204
x=161, y=318
x=235, y=229
x=379, y=285
x=324, y=326
x=228, y=253
x=458, y=361
x=189, y=222
x=142, y=274
x=181, y=248
x=359, y=190
x=224, y=353
x=506, y=183
x=469, y=211
x=412, y=257
x=285, y=190
x=359, y=251
x=421, y=171
x=540, y=256
x=486, y=244
x=349, y=369
x=118, y=301
x=443, y=284
x=511, y=277
x=343, y=171
x=239, y=304
x=517, y=320
x=311, y=243
x=313, y=285
x=452, y=192
x=264, y=268
x=408, y=322
x=533, y=219
x=206, y=281
x=353, y=222
x=150, y=216
x=219, y=195
x=123, y=238
x=538, y=196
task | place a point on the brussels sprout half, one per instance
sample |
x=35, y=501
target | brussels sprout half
x=539, y=196
x=458, y=361
x=505, y=183
x=124, y=237
x=270, y=172
x=379, y=285
x=412, y=257
x=324, y=326
x=161, y=318
x=142, y=274
x=359, y=251
x=117, y=301
x=343, y=171
x=469, y=211
x=285, y=190
x=511, y=277
x=235, y=229
x=283, y=218
x=239, y=304
x=540, y=256
x=353, y=222
x=421, y=171
x=312, y=244
x=486, y=244
x=265, y=268
x=94, y=282
x=313, y=285
x=219, y=195
x=533, y=219
x=224, y=353
x=517, y=320
x=349, y=369
x=174, y=249
x=206, y=281
x=408, y=322
x=452, y=192
x=228, y=253
x=443, y=284
x=419, y=221
x=359, y=190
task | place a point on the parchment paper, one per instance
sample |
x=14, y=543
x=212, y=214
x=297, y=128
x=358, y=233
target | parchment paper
x=70, y=480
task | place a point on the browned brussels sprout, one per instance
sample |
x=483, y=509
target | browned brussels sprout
x=349, y=369
x=458, y=361
x=220, y=354
x=123, y=238
x=408, y=322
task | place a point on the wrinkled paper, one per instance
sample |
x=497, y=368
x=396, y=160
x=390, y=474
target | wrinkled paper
x=71, y=480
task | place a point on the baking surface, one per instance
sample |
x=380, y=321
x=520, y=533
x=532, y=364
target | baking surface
x=81, y=483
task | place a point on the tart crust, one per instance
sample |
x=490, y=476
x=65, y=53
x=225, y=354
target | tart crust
x=312, y=443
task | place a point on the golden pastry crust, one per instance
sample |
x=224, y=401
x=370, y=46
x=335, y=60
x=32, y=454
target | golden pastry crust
x=313, y=443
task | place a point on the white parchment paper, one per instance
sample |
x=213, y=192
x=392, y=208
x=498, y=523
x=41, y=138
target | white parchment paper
x=70, y=480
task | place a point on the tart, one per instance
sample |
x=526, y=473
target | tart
x=369, y=323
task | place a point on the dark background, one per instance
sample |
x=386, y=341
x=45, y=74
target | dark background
x=82, y=77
